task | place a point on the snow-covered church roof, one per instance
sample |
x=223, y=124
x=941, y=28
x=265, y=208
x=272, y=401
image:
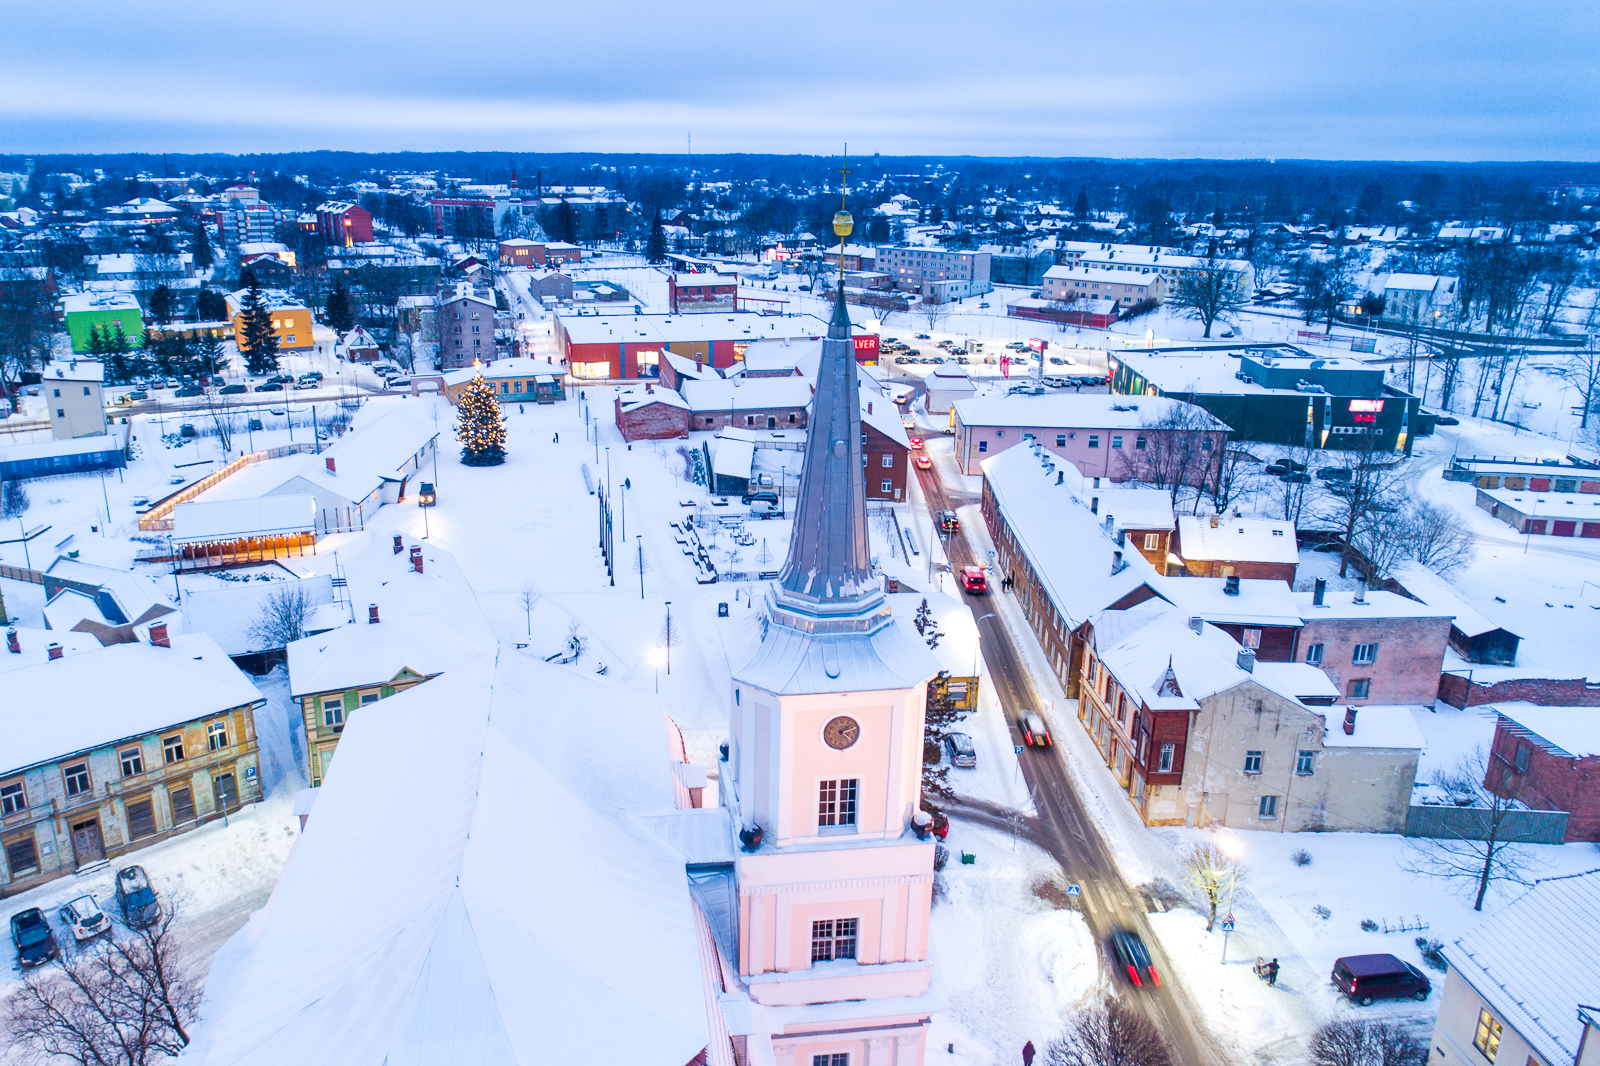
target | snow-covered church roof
x=477, y=884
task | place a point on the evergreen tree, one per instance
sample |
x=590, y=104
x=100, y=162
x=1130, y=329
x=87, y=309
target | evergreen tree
x=208, y=350
x=340, y=316
x=162, y=304
x=480, y=427
x=210, y=306
x=566, y=223
x=655, y=249
x=260, y=341
x=201, y=248
x=97, y=341
x=1080, y=209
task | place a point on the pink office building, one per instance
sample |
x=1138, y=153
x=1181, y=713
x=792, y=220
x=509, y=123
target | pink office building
x=1116, y=437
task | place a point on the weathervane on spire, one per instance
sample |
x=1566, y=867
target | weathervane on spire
x=842, y=222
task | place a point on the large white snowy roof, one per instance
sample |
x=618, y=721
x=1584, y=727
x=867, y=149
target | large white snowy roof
x=1537, y=961
x=525, y=912
x=711, y=394
x=1069, y=547
x=1261, y=601
x=266, y=516
x=99, y=695
x=368, y=654
x=1072, y=410
x=1261, y=540
x=665, y=329
x=1570, y=731
x=1436, y=592
x=1341, y=603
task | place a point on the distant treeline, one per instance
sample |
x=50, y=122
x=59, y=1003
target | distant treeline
x=1253, y=189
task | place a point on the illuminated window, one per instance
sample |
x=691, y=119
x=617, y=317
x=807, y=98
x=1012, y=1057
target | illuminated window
x=1487, y=1037
x=1252, y=639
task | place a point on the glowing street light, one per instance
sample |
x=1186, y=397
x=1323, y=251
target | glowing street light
x=658, y=656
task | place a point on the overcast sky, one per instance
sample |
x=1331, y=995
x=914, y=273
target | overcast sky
x=1400, y=79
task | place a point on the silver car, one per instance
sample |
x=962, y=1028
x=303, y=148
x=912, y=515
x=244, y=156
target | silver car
x=84, y=917
x=958, y=746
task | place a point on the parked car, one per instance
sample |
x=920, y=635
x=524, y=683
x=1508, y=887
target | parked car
x=30, y=934
x=135, y=897
x=305, y=384
x=1296, y=477
x=1335, y=473
x=923, y=337
x=84, y=917
x=983, y=307
x=958, y=746
x=1280, y=467
x=1026, y=390
x=1135, y=957
x=923, y=462
x=312, y=375
x=948, y=523
x=270, y=386
x=173, y=383
x=1365, y=978
x=234, y=390
x=138, y=394
x=1452, y=420
x=974, y=580
x=399, y=383
x=189, y=390
x=1035, y=734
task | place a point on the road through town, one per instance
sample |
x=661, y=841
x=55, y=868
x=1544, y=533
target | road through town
x=1064, y=829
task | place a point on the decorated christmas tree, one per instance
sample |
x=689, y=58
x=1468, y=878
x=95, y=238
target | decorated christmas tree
x=480, y=427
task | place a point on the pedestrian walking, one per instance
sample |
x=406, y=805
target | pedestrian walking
x=1027, y=1054
x=1272, y=973
x=519, y=409
x=556, y=439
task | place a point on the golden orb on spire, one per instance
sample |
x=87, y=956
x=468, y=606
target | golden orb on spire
x=842, y=223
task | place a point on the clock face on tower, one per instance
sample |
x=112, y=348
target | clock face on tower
x=841, y=732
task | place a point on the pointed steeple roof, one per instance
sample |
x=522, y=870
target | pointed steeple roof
x=827, y=582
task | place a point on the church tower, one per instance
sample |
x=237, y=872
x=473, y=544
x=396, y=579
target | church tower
x=824, y=774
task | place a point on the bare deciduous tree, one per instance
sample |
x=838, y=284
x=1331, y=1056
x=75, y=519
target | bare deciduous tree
x=284, y=616
x=1110, y=1034
x=1582, y=371
x=1214, y=874
x=1360, y=1042
x=528, y=598
x=1237, y=475
x=1439, y=539
x=1207, y=294
x=1175, y=449
x=224, y=420
x=1355, y=506
x=933, y=312
x=1488, y=785
x=121, y=1001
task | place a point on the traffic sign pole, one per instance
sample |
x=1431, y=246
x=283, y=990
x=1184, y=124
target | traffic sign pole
x=1227, y=928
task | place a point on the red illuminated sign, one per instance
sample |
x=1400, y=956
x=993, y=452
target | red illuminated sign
x=1372, y=406
x=1038, y=345
x=866, y=348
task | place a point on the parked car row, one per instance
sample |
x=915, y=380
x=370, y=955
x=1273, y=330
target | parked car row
x=35, y=942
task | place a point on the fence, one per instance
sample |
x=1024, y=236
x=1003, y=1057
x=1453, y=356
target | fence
x=17, y=573
x=1473, y=823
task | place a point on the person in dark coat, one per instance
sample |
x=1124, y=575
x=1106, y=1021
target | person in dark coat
x=1027, y=1054
x=1272, y=972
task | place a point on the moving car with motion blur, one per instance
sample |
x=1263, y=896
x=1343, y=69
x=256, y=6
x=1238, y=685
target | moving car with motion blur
x=923, y=462
x=1135, y=958
x=1035, y=734
x=974, y=580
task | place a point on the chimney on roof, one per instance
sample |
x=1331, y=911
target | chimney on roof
x=1061, y=475
x=1094, y=505
x=1361, y=591
x=397, y=544
x=1096, y=482
x=12, y=644
x=1117, y=565
x=1319, y=591
x=329, y=461
x=1110, y=525
x=1247, y=660
x=1350, y=721
x=1214, y=521
x=158, y=635
x=1197, y=623
x=372, y=614
x=54, y=650
x=416, y=558
x=1230, y=585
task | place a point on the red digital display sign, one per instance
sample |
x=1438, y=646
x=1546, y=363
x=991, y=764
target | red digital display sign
x=866, y=348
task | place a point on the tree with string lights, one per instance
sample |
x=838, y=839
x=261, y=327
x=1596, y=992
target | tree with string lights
x=480, y=427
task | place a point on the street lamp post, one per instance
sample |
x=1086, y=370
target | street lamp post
x=669, y=638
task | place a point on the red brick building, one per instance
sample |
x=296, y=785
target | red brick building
x=1220, y=546
x=651, y=412
x=1377, y=647
x=602, y=347
x=1549, y=759
x=520, y=251
x=702, y=292
x=344, y=224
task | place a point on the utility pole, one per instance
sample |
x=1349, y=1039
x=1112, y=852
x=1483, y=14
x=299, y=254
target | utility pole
x=639, y=541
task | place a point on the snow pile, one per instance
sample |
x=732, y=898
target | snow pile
x=1059, y=949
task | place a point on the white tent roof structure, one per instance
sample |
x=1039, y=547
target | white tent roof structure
x=525, y=913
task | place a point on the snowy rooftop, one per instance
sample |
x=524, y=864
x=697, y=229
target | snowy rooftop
x=1260, y=601
x=1211, y=371
x=382, y=576
x=746, y=394
x=1553, y=505
x=521, y=366
x=951, y=377
x=1535, y=964
x=1299, y=681
x=1376, y=727
x=634, y=398
x=1439, y=594
x=1069, y=547
x=106, y=442
x=1341, y=603
x=524, y=911
x=1074, y=410
x=667, y=329
x=1569, y=731
x=266, y=516
x=1142, y=643
x=99, y=301
x=101, y=695
x=134, y=593
x=1102, y=275
x=1424, y=282
x=367, y=654
x=34, y=642
x=1260, y=540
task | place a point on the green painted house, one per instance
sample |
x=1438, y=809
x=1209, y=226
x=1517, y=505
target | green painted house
x=110, y=311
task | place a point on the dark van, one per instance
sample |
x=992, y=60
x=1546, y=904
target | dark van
x=1365, y=978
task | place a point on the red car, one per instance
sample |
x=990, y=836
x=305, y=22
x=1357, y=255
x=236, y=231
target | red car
x=923, y=462
x=916, y=442
x=974, y=580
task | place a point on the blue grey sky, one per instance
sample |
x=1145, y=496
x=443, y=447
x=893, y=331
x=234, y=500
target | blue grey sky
x=1413, y=79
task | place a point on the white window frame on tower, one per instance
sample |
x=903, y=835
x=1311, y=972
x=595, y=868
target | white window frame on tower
x=838, y=802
